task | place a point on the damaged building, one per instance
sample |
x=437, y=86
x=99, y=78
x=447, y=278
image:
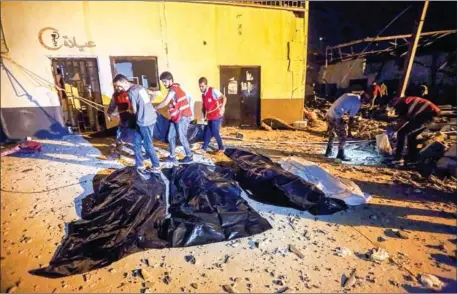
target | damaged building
x=381, y=59
x=80, y=46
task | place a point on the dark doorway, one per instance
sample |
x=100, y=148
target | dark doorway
x=79, y=77
x=242, y=87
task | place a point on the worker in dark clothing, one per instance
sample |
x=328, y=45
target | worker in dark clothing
x=415, y=114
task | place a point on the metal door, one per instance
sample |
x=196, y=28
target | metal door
x=230, y=87
x=241, y=86
x=81, y=77
x=250, y=96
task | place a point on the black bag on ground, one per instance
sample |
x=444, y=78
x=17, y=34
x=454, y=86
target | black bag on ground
x=122, y=217
x=206, y=206
x=267, y=182
x=126, y=214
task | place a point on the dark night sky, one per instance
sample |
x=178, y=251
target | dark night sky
x=343, y=21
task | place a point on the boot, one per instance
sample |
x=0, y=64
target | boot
x=328, y=151
x=341, y=155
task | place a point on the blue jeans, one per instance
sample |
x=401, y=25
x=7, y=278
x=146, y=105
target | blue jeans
x=181, y=127
x=212, y=130
x=145, y=135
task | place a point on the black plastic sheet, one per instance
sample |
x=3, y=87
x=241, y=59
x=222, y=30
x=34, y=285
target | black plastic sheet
x=122, y=217
x=269, y=183
x=206, y=206
x=127, y=214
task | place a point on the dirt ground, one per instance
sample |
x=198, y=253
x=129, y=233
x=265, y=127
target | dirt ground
x=41, y=192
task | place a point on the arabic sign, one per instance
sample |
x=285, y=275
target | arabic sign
x=51, y=39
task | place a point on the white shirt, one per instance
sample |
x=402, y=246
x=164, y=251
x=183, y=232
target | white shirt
x=347, y=103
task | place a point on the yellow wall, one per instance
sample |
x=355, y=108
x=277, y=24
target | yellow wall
x=174, y=32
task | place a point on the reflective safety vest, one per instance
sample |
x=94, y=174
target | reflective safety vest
x=179, y=105
x=122, y=101
x=417, y=105
x=211, y=105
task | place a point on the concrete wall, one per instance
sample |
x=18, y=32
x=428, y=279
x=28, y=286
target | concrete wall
x=189, y=39
x=335, y=73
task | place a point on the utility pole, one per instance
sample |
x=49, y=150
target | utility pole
x=408, y=62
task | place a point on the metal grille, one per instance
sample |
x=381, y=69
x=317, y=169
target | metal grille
x=284, y=5
x=82, y=75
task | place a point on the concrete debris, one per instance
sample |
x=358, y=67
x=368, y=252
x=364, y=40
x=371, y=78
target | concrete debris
x=342, y=251
x=145, y=261
x=350, y=280
x=300, y=125
x=190, y=258
x=381, y=239
x=295, y=251
x=399, y=234
x=229, y=289
x=282, y=290
x=378, y=255
x=431, y=282
x=253, y=244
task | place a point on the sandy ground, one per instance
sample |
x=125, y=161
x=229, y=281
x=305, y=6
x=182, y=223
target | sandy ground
x=41, y=192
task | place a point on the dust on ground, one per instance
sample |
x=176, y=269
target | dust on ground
x=41, y=192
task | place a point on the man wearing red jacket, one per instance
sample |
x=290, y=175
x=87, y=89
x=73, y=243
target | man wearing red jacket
x=214, y=104
x=180, y=117
x=415, y=113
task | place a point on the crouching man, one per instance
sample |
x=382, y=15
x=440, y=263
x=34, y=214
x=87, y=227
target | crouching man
x=214, y=105
x=142, y=108
x=415, y=113
x=180, y=118
x=348, y=103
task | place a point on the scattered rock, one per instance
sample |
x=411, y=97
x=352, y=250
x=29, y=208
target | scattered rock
x=295, y=251
x=226, y=258
x=399, y=234
x=137, y=273
x=11, y=289
x=194, y=285
x=381, y=239
x=145, y=261
x=350, y=280
x=190, y=258
x=282, y=290
x=229, y=289
x=373, y=217
x=253, y=244
x=431, y=282
x=166, y=279
x=378, y=255
x=342, y=251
